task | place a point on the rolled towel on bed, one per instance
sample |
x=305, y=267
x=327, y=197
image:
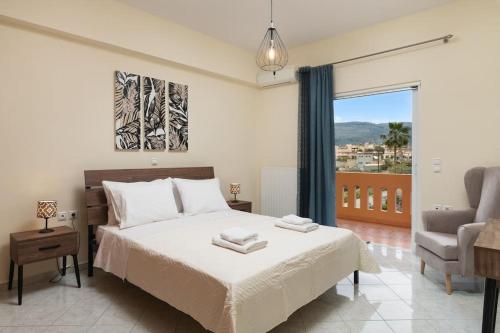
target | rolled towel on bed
x=294, y=219
x=250, y=246
x=302, y=228
x=240, y=236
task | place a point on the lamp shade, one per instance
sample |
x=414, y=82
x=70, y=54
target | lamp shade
x=234, y=188
x=46, y=209
x=272, y=54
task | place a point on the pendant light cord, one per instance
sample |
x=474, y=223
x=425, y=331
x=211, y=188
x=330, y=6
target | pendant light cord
x=271, y=11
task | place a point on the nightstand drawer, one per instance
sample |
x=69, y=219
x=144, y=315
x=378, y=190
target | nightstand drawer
x=40, y=249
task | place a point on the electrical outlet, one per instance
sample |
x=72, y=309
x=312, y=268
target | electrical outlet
x=62, y=216
x=438, y=207
x=447, y=207
x=73, y=214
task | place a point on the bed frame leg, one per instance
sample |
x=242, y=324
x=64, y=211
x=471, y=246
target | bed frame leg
x=90, y=263
x=356, y=277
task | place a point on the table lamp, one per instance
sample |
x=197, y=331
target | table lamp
x=46, y=209
x=234, y=188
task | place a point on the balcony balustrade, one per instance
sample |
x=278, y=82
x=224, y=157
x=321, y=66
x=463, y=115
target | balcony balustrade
x=381, y=198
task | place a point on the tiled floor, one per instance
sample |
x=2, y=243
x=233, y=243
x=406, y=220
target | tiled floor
x=379, y=233
x=397, y=300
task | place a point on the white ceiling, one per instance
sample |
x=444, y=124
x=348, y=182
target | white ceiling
x=244, y=22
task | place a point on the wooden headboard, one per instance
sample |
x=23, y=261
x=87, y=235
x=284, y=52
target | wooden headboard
x=97, y=206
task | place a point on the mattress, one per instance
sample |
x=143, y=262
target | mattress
x=226, y=291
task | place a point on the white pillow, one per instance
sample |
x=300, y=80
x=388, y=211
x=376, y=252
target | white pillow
x=177, y=196
x=109, y=187
x=140, y=203
x=200, y=196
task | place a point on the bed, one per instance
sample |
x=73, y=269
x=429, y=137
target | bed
x=224, y=291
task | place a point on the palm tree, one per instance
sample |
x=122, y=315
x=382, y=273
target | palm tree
x=398, y=137
x=379, y=150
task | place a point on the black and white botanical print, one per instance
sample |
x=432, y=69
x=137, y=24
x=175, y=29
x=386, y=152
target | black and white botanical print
x=154, y=114
x=127, y=111
x=178, y=117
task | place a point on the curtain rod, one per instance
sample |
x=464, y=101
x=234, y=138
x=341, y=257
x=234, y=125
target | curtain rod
x=445, y=39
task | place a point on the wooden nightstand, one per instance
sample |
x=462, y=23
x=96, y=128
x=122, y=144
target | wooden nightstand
x=31, y=246
x=244, y=206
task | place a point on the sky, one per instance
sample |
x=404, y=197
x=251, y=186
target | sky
x=379, y=108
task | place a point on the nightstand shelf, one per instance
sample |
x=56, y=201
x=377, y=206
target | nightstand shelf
x=244, y=206
x=32, y=246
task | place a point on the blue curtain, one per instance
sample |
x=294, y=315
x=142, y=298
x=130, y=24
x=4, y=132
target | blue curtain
x=316, y=151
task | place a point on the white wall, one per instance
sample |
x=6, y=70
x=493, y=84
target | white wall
x=458, y=105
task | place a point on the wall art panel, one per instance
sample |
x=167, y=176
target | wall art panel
x=178, y=117
x=154, y=114
x=127, y=111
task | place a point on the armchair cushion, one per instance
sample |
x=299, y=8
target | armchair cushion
x=442, y=244
x=467, y=235
x=473, y=180
x=490, y=196
x=447, y=221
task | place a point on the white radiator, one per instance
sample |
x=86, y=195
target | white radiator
x=278, y=191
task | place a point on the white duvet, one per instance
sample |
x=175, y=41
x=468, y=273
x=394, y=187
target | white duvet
x=223, y=290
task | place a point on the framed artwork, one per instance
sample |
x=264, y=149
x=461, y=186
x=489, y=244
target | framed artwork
x=178, y=117
x=127, y=111
x=154, y=114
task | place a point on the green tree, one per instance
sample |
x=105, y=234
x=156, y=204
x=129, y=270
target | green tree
x=398, y=137
x=379, y=150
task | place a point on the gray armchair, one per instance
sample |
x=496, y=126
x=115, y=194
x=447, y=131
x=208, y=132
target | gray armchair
x=447, y=242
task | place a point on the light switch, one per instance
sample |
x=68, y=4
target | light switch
x=154, y=161
x=436, y=165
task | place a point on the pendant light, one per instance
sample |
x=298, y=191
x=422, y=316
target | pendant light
x=272, y=55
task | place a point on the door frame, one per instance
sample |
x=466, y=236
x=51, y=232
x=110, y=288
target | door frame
x=415, y=191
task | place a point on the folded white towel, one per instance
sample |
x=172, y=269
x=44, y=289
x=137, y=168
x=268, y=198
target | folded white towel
x=238, y=235
x=294, y=219
x=247, y=248
x=302, y=228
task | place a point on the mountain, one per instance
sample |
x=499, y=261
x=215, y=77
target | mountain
x=357, y=132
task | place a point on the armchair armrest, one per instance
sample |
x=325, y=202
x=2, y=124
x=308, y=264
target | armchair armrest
x=467, y=235
x=447, y=221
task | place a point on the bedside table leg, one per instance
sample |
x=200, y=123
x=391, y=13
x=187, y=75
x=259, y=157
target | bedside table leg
x=64, y=266
x=77, y=270
x=90, y=262
x=20, y=284
x=11, y=273
x=356, y=277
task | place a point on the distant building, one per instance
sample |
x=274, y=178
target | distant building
x=403, y=153
x=349, y=151
x=364, y=158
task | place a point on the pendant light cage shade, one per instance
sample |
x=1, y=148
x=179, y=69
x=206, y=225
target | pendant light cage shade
x=272, y=55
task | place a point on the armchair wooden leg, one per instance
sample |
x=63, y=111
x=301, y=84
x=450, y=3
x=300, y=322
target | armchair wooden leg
x=422, y=266
x=449, y=289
